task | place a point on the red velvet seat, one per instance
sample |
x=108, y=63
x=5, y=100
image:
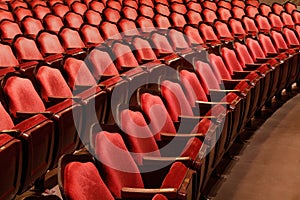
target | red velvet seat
x=161, y=21
x=265, y=9
x=179, y=8
x=109, y=30
x=193, y=17
x=223, y=31
x=251, y=11
x=9, y=30
x=79, y=8
x=92, y=17
x=209, y=15
x=177, y=20
x=91, y=35
x=7, y=58
x=237, y=28
x=290, y=7
x=287, y=19
x=123, y=177
x=73, y=20
x=210, y=5
x=4, y=14
x=223, y=14
x=128, y=27
x=21, y=13
x=225, y=4
x=129, y=12
x=72, y=182
x=263, y=23
x=275, y=21
x=111, y=14
x=145, y=10
x=192, y=5
x=208, y=34
x=40, y=11
x=277, y=8
x=96, y=6
x=238, y=12
x=250, y=25
x=60, y=10
x=31, y=26
x=17, y=89
x=162, y=9
x=53, y=23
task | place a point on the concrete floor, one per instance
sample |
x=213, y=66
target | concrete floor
x=269, y=166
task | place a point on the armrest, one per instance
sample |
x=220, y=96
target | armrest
x=221, y=93
x=294, y=45
x=144, y=60
x=142, y=193
x=150, y=160
x=127, y=68
x=230, y=84
x=203, y=104
x=170, y=136
x=26, y=115
x=272, y=54
x=11, y=132
x=53, y=57
x=104, y=77
x=262, y=60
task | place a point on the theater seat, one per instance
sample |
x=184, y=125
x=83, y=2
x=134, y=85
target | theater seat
x=37, y=137
x=124, y=179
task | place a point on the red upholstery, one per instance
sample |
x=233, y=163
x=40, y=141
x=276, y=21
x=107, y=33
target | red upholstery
x=41, y=10
x=129, y=13
x=162, y=9
x=146, y=11
x=21, y=13
x=223, y=30
x=251, y=11
x=189, y=80
x=97, y=6
x=236, y=27
x=83, y=182
x=210, y=5
x=207, y=33
x=93, y=17
x=111, y=15
x=109, y=30
x=193, y=17
x=71, y=39
x=128, y=27
x=162, y=21
x=277, y=8
x=238, y=12
x=225, y=4
x=177, y=172
x=49, y=44
x=120, y=170
x=263, y=23
x=159, y=197
x=78, y=73
x=275, y=21
x=73, y=20
x=144, y=52
x=177, y=104
x=6, y=121
x=9, y=30
x=101, y=64
x=124, y=56
x=60, y=10
x=290, y=7
x=52, y=83
x=209, y=15
x=4, y=14
x=179, y=8
x=192, y=5
x=27, y=50
x=31, y=26
x=53, y=23
x=250, y=25
x=91, y=35
x=138, y=135
x=178, y=20
x=265, y=9
x=79, y=8
x=224, y=14
x=287, y=19
x=193, y=36
x=7, y=58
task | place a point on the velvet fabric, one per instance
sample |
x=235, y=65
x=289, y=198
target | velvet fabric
x=6, y=121
x=83, y=182
x=9, y=29
x=7, y=58
x=26, y=49
x=175, y=176
x=52, y=83
x=49, y=44
x=138, y=136
x=71, y=39
x=117, y=166
x=124, y=56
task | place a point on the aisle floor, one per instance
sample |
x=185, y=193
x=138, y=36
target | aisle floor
x=269, y=166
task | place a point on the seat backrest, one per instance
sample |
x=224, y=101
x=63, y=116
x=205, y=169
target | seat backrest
x=266, y=43
x=4, y=14
x=193, y=89
x=277, y=8
x=249, y=24
x=210, y=5
x=179, y=8
x=236, y=27
x=225, y=4
x=193, y=36
x=138, y=136
x=238, y=3
x=21, y=13
x=124, y=56
x=31, y=26
x=262, y=22
x=145, y=24
x=238, y=12
x=49, y=44
x=209, y=15
x=196, y=6
x=144, y=52
x=22, y=96
x=60, y=10
x=97, y=6
x=129, y=13
x=26, y=49
x=128, y=27
x=193, y=17
x=290, y=7
x=176, y=101
x=79, y=8
x=53, y=23
x=265, y=9
x=73, y=20
x=7, y=58
x=157, y=114
x=162, y=9
x=109, y=30
x=9, y=29
x=287, y=19
x=162, y=21
x=146, y=11
x=161, y=44
x=120, y=170
x=82, y=181
x=231, y=61
x=279, y=40
x=177, y=20
x=207, y=77
x=78, y=73
x=91, y=35
x=224, y=14
x=243, y=54
x=93, y=17
x=177, y=40
x=222, y=30
x=251, y=11
x=255, y=48
x=290, y=36
x=100, y=63
x=5, y=119
x=52, y=83
x=275, y=21
x=71, y=39
x=111, y=15
x=40, y=11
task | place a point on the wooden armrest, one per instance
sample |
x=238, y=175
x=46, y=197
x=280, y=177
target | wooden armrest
x=170, y=136
x=144, y=60
x=11, y=132
x=272, y=54
x=164, y=161
x=142, y=193
x=26, y=115
x=262, y=60
x=230, y=84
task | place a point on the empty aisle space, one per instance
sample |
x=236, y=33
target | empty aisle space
x=269, y=167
